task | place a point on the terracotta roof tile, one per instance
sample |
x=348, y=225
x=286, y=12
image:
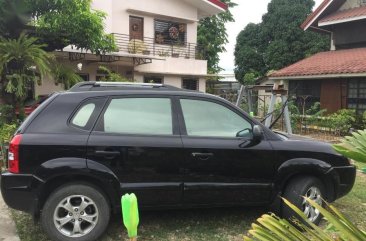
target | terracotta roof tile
x=345, y=14
x=313, y=15
x=220, y=4
x=350, y=61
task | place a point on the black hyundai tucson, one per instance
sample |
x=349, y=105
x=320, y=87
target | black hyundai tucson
x=81, y=150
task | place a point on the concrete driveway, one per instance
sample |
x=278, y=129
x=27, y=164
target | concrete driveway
x=7, y=226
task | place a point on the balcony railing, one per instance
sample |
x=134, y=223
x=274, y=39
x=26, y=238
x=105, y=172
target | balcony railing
x=148, y=46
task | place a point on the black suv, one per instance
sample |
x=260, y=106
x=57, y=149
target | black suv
x=81, y=150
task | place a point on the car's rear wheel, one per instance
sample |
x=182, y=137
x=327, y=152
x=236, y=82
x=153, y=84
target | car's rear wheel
x=306, y=186
x=75, y=212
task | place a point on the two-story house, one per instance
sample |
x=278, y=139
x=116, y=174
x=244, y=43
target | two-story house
x=336, y=78
x=156, y=39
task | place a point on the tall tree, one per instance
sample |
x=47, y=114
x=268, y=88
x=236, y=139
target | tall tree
x=278, y=40
x=212, y=36
x=56, y=23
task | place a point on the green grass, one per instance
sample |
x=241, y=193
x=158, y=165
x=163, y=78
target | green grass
x=354, y=204
x=198, y=224
x=207, y=224
x=361, y=165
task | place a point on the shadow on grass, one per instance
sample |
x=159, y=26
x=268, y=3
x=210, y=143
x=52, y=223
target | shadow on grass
x=192, y=224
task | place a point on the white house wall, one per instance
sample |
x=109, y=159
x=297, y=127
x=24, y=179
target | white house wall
x=119, y=11
x=47, y=87
x=173, y=70
x=179, y=66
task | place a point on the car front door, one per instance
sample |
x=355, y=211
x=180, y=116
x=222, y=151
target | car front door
x=224, y=165
x=137, y=138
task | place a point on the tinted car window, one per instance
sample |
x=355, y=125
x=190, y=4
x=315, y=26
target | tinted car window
x=152, y=116
x=83, y=115
x=205, y=118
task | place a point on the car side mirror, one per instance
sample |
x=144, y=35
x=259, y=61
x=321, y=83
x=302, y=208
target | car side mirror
x=257, y=133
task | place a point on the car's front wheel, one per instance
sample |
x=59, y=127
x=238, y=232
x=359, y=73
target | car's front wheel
x=75, y=212
x=306, y=186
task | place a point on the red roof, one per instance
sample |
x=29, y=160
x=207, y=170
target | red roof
x=219, y=3
x=350, y=61
x=345, y=14
x=314, y=14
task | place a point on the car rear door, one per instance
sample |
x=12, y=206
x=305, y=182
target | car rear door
x=223, y=163
x=138, y=139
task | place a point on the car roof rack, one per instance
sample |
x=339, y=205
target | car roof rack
x=98, y=85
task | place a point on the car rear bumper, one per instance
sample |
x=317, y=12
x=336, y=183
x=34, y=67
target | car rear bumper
x=19, y=191
x=346, y=176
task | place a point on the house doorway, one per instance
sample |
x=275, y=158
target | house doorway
x=136, y=28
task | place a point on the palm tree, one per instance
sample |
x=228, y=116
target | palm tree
x=22, y=62
x=65, y=75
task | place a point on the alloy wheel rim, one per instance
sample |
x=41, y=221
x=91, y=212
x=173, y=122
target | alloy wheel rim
x=314, y=194
x=76, y=216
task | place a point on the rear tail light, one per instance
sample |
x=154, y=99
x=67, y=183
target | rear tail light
x=13, y=154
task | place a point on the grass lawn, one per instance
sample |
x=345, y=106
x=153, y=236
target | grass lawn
x=208, y=224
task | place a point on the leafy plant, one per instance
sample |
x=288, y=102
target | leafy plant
x=211, y=34
x=22, y=62
x=6, y=132
x=7, y=114
x=136, y=46
x=353, y=147
x=65, y=75
x=341, y=121
x=112, y=76
x=273, y=228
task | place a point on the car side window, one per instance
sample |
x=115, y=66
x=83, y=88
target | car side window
x=87, y=113
x=83, y=115
x=149, y=116
x=209, y=119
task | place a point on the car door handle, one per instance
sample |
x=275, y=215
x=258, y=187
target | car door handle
x=107, y=153
x=202, y=156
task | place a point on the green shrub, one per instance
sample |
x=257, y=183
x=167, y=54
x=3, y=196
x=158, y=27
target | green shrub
x=341, y=121
x=112, y=76
x=6, y=114
x=6, y=132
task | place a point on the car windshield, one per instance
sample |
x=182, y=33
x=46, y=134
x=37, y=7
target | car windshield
x=281, y=135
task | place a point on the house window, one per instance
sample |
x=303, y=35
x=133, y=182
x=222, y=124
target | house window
x=153, y=79
x=356, y=96
x=306, y=92
x=190, y=84
x=167, y=32
x=85, y=77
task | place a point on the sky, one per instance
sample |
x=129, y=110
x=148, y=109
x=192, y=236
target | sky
x=247, y=11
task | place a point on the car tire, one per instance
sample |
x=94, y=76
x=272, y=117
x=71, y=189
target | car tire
x=75, y=212
x=296, y=189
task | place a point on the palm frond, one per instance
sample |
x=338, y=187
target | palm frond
x=21, y=60
x=353, y=147
x=273, y=228
x=65, y=75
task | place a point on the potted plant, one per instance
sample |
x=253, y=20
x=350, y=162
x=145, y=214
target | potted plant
x=136, y=46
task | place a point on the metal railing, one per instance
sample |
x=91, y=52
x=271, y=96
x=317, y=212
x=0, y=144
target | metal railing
x=148, y=46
